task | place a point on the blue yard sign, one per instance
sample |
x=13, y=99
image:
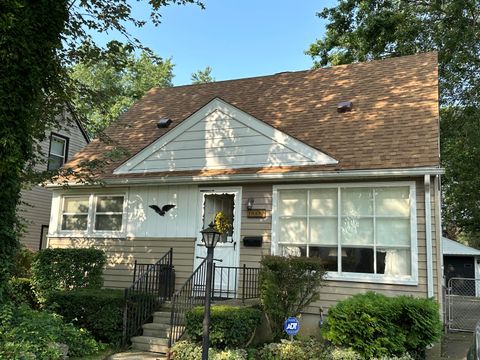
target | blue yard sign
x=291, y=326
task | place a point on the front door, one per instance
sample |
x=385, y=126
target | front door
x=226, y=255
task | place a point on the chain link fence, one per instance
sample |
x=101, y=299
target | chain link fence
x=463, y=303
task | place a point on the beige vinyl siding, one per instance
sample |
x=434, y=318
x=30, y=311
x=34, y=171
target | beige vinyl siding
x=122, y=253
x=262, y=194
x=39, y=199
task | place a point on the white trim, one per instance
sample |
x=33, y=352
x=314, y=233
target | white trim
x=428, y=235
x=90, y=231
x=261, y=177
x=317, y=157
x=347, y=276
x=236, y=191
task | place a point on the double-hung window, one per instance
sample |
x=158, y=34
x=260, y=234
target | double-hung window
x=57, y=155
x=108, y=213
x=75, y=213
x=358, y=231
x=93, y=214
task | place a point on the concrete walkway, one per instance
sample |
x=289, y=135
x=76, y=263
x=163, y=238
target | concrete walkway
x=136, y=355
x=454, y=346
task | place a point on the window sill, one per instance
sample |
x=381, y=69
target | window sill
x=370, y=278
x=106, y=235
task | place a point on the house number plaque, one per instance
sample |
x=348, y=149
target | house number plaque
x=257, y=213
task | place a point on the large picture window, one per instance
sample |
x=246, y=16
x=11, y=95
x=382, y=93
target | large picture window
x=357, y=231
x=91, y=213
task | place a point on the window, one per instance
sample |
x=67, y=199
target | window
x=357, y=231
x=93, y=213
x=109, y=213
x=75, y=213
x=58, y=152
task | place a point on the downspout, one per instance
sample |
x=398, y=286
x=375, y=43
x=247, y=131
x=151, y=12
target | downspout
x=439, y=242
x=428, y=235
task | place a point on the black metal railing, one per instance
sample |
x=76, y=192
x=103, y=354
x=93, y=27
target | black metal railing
x=235, y=282
x=139, y=269
x=191, y=294
x=229, y=282
x=150, y=289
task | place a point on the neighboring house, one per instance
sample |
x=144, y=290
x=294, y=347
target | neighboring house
x=59, y=147
x=357, y=187
x=463, y=262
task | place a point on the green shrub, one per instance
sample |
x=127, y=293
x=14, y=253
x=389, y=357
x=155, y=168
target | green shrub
x=100, y=311
x=298, y=350
x=67, y=269
x=20, y=291
x=186, y=350
x=287, y=286
x=31, y=334
x=23, y=263
x=230, y=326
x=375, y=325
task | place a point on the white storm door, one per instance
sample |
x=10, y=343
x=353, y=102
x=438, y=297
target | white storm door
x=226, y=255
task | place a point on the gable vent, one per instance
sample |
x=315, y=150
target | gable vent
x=164, y=123
x=344, y=106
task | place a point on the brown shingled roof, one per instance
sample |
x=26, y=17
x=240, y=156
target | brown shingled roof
x=393, y=124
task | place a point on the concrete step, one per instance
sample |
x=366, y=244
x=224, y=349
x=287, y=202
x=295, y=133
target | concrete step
x=167, y=306
x=150, y=343
x=161, y=317
x=156, y=330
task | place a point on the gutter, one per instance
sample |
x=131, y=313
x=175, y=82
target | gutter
x=261, y=177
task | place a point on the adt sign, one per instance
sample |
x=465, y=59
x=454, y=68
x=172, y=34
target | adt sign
x=291, y=326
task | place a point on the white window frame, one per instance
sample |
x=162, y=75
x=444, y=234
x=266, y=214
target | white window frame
x=65, y=141
x=90, y=231
x=94, y=214
x=350, y=276
x=63, y=213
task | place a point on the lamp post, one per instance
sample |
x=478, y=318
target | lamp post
x=210, y=238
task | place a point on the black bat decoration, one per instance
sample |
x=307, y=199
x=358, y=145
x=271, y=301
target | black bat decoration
x=163, y=210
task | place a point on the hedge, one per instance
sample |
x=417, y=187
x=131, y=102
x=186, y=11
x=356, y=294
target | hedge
x=67, y=269
x=20, y=291
x=230, y=326
x=30, y=334
x=375, y=325
x=100, y=311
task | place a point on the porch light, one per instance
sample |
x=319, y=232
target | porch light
x=250, y=202
x=210, y=236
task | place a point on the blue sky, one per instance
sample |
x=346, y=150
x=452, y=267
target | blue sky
x=235, y=38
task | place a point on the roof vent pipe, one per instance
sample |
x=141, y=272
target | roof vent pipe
x=164, y=123
x=344, y=106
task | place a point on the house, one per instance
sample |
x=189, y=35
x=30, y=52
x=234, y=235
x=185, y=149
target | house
x=461, y=262
x=339, y=163
x=59, y=146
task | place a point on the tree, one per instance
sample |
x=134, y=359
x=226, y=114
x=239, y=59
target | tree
x=29, y=37
x=39, y=41
x=203, y=76
x=362, y=30
x=105, y=91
